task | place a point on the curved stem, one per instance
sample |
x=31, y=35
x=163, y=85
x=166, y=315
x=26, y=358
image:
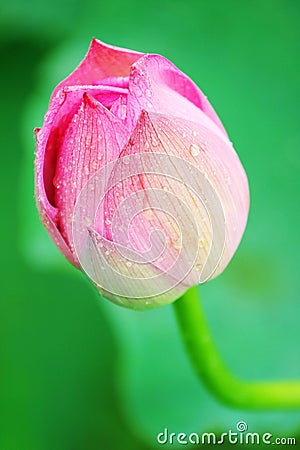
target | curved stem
x=211, y=369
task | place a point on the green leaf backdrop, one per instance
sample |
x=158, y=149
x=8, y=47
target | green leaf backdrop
x=76, y=371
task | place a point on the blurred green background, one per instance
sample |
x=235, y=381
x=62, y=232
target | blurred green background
x=78, y=373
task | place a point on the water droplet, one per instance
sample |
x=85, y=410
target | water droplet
x=149, y=213
x=194, y=133
x=129, y=264
x=107, y=252
x=201, y=243
x=194, y=150
x=87, y=221
x=123, y=110
x=86, y=170
x=177, y=243
x=184, y=135
x=228, y=180
x=198, y=267
x=56, y=182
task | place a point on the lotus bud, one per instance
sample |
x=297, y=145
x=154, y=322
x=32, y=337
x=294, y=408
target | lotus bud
x=136, y=180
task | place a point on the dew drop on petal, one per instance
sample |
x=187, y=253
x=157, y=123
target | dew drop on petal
x=56, y=182
x=87, y=221
x=201, y=243
x=177, y=243
x=123, y=110
x=154, y=142
x=194, y=150
x=149, y=213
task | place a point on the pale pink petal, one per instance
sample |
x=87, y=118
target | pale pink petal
x=102, y=61
x=121, y=273
x=156, y=85
x=130, y=284
x=202, y=158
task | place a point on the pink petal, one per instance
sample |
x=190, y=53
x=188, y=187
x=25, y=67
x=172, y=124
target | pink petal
x=48, y=213
x=101, y=61
x=61, y=110
x=93, y=139
x=106, y=95
x=157, y=85
x=50, y=138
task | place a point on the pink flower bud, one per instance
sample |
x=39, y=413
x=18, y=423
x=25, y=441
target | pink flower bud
x=136, y=180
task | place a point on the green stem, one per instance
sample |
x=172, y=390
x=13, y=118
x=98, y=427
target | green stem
x=211, y=369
